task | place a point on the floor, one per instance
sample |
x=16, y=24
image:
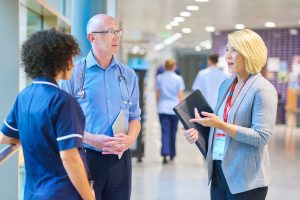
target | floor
x=186, y=177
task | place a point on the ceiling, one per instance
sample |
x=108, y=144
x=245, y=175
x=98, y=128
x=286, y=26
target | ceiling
x=144, y=21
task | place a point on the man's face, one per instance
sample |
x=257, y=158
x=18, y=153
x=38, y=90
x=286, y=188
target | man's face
x=106, y=37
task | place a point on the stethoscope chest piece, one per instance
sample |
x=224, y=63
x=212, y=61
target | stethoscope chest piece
x=80, y=93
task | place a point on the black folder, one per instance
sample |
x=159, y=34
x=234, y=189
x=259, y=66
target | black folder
x=185, y=111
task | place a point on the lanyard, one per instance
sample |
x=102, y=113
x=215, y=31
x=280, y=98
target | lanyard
x=228, y=104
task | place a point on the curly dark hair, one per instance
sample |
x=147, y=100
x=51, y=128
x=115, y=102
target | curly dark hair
x=47, y=53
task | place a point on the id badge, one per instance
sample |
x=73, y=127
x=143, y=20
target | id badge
x=219, y=145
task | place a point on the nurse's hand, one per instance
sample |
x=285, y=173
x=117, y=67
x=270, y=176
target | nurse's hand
x=209, y=119
x=191, y=135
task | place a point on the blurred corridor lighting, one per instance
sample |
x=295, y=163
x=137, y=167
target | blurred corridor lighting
x=159, y=46
x=185, y=14
x=239, y=26
x=186, y=30
x=179, y=19
x=197, y=48
x=168, y=26
x=210, y=29
x=202, y=1
x=173, y=38
x=270, y=24
x=174, y=23
x=192, y=8
x=206, y=44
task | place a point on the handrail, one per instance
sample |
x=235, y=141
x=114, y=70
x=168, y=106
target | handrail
x=7, y=152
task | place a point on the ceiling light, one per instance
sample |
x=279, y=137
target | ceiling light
x=197, y=48
x=202, y=1
x=173, y=38
x=186, y=30
x=293, y=31
x=179, y=19
x=239, y=26
x=206, y=44
x=270, y=24
x=159, y=46
x=192, y=8
x=169, y=26
x=135, y=49
x=299, y=22
x=210, y=29
x=174, y=23
x=187, y=14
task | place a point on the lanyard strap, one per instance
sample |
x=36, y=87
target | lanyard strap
x=228, y=104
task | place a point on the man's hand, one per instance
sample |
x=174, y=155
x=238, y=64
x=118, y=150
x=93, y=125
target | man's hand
x=121, y=143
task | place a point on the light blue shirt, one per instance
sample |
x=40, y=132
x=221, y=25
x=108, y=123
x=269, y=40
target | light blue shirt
x=208, y=81
x=168, y=84
x=105, y=93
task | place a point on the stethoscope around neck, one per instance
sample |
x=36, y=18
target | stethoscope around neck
x=121, y=78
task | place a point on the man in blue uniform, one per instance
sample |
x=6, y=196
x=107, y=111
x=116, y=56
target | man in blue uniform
x=48, y=122
x=103, y=87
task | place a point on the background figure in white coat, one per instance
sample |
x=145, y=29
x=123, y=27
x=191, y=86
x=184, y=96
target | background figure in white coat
x=209, y=80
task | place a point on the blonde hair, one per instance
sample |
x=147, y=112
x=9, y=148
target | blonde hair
x=252, y=48
x=170, y=64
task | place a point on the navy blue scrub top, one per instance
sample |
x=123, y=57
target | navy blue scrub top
x=47, y=120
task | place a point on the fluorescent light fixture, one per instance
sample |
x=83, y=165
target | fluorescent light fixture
x=206, y=44
x=210, y=29
x=135, y=49
x=192, y=8
x=169, y=26
x=174, y=23
x=179, y=19
x=239, y=26
x=293, y=31
x=198, y=48
x=299, y=22
x=172, y=38
x=186, y=30
x=159, y=46
x=202, y=1
x=270, y=24
x=188, y=14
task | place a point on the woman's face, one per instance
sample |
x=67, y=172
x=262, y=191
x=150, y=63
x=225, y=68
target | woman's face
x=235, y=60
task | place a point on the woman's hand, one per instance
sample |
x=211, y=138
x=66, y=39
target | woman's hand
x=210, y=119
x=191, y=135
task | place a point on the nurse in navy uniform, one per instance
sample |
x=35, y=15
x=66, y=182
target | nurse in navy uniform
x=48, y=122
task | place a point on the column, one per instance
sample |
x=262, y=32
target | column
x=82, y=11
x=9, y=76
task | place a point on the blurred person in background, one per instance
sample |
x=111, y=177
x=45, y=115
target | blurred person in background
x=209, y=80
x=49, y=122
x=169, y=92
x=238, y=158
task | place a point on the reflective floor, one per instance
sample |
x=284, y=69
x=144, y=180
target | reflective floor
x=186, y=177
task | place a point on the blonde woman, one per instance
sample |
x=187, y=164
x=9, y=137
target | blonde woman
x=242, y=123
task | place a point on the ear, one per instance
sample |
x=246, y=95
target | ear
x=90, y=37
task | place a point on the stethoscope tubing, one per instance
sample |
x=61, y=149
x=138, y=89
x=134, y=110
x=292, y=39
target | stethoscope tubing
x=121, y=77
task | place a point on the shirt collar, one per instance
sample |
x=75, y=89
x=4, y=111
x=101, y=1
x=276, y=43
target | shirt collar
x=45, y=80
x=91, y=61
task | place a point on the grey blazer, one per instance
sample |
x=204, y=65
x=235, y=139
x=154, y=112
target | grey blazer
x=246, y=162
